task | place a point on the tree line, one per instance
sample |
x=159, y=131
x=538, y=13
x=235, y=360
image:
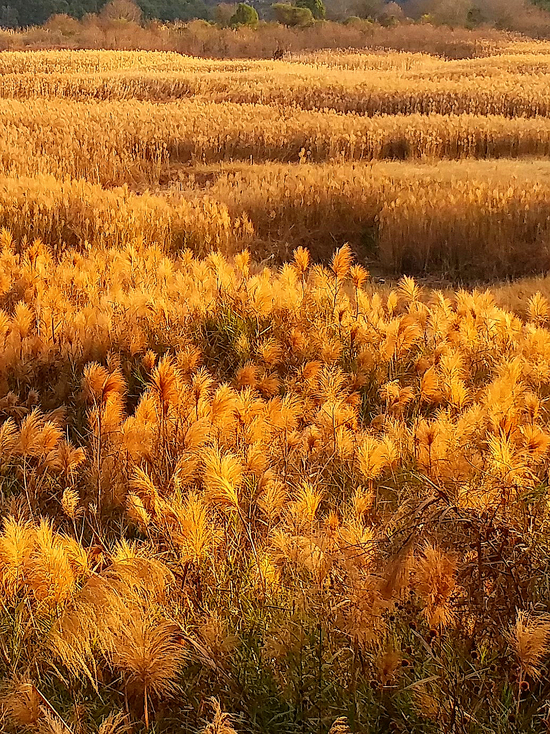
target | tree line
x=21, y=13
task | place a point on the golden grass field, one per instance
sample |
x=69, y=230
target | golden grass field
x=245, y=486
x=352, y=148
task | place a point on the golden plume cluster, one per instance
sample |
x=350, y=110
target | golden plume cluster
x=219, y=443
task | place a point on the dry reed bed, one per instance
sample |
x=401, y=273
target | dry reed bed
x=480, y=219
x=93, y=62
x=113, y=143
x=284, y=487
x=464, y=219
x=516, y=57
x=272, y=473
x=512, y=85
x=343, y=91
x=83, y=214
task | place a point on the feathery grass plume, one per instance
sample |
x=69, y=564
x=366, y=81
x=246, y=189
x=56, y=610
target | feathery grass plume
x=305, y=505
x=135, y=569
x=48, y=443
x=222, y=405
x=535, y=442
x=221, y=723
x=115, y=724
x=149, y=360
x=17, y=544
x=186, y=471
x=538, y=308
x=6, y=239
x=408, y=290
x=8, y=439
x=396, y=574
x=136, y=512
x=197, y=434
x=247, y=376
x=340, y=726
x=531, y=405
x=23, y=320
x=50, y=724
x=22, y=704
x=29, y=443
x=272, y=499
x=359, y=276
x=143, y=486
x=146, y=651
x=165, y=383
x=429, y=386
x=201, y=385
x=73, y=639
x=529, y=637
x=270, y=353
x=67, y=459
x=396, y=397
x=145, y=413
x=300, y=552
x=187, y=360
x=223, y=478
x=507, y=460
x=70, y=503
x=401, y=334
x=341, y=262
x=360, y=616
x=376, y=455
x=432, y=445
x=392, y=302
x=242, y=262
x=77, y=556
x=50, y=575
x=362, y=501
x=194, y=530
x=435, y=581
x=107, y=420
x=301, y=261
x=100, y=385
x=356, y=543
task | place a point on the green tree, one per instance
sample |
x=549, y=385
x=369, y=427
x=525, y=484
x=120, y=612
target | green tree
x=9, y=17
x=292, y=15
x=245, y=15
x=317, y=8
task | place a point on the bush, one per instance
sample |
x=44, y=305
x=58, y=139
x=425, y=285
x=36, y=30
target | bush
x=63, y=24
x=121, y=10
x=245, y=15
x=292, y=15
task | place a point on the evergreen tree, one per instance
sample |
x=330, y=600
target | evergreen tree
x=317, y=7
x=292, y=15
x=245, y=15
